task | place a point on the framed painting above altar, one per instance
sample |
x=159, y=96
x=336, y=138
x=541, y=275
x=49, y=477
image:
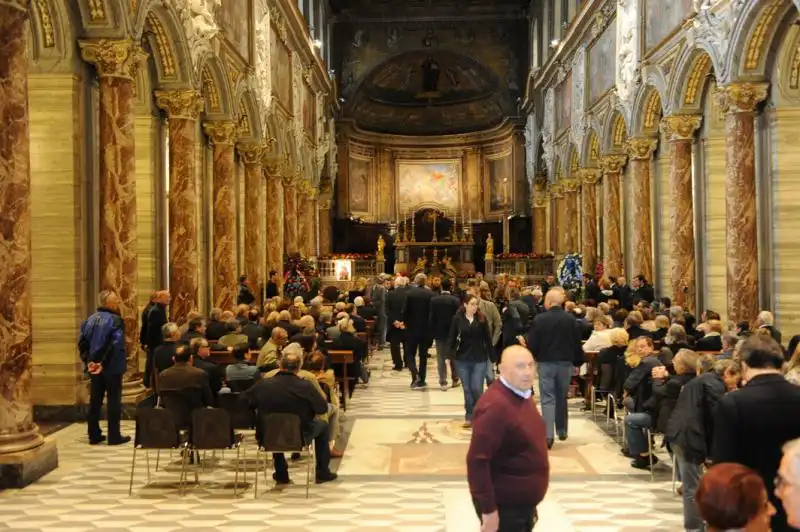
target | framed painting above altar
x=429, y=183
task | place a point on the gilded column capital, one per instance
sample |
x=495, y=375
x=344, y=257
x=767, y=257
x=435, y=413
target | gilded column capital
x=113, y=58
x=19, y=5
x=612, y=164
x=571, y=185
x=288, y=181
x=557, y=190
x=222, y=132
x=252, y=153
x=180, y=103
x=680, y=127
x=590, y=176
x=741, y=97
x=641, y=148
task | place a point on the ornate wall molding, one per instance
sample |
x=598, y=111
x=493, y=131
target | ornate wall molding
x=531, y=147
x=548, y=131
x=200, y=27
x=578, y=124
x=642, y=148
x=261, y=74
x=628, y=67
x=113, y=58
x=713, y=30
x=741, y=97
x=680, y=127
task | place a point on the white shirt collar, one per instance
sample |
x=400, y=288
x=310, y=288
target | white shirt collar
x=526, y=394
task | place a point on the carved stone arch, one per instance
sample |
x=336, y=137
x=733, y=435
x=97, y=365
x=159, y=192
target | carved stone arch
x=590, y=151
x=654, y=76
x=158, y=23
x=760, y=27
x=572, y=160
x=272, y=130
x=54, y=28
x=247, y=113
x=691, y=77
x=785, y=72
x=615, y=133
x=558, y=171
x=647, y=112
x=216, y=88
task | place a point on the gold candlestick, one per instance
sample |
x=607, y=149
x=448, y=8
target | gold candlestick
x=413, y=228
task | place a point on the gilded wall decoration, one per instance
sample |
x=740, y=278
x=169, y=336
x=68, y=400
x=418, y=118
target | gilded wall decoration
x=234, y=19
x=309, y=111
x=564, y=104
x=360, y=175
x=429, y=183
x=601, y=63
x=281, y=70
x=662, y=17
x=500, y=175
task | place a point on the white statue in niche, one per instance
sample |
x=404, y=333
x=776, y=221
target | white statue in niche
x=199, y=25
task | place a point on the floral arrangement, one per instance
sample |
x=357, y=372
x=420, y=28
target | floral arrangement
x=351, y=256
x=599, y=270
x=505, y=256
x=570, y=271
x=299, y=275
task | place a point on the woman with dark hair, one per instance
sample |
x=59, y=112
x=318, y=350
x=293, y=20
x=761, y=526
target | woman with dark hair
x=471, y=342
x=733, y=497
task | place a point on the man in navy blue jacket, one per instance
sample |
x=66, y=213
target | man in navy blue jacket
x=102, y=347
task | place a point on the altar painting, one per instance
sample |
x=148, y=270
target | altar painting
x=359, y=172
x=429, y=183
x=499, y=184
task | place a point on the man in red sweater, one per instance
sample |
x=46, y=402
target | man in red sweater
x=507, y=463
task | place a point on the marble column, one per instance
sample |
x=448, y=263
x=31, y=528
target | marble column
x=589, y=179
x=738, y=101
x=117, y=62
x=183, y=107
x=612, y=225
x=556, y=217
x=303, y=221
x=24, y=455
x=679, y=131
x=570, y=218
x=640, y=156
x=325, y=242
x=541, y=198
x=275, y=229
x=290, y=216
x=313, y=224
x=222, y=135
x=255, y=240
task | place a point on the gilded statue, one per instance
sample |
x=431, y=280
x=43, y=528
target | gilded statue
x=381, y=245
x=420, y=265
x=489, y=248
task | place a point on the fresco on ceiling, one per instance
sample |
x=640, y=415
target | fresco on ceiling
x=360, y=171
x=429, y=183
x=500, y=181
x=234, y=20
x=563, y=97
x=662, y=17
x=601, y=63
x=281, y=71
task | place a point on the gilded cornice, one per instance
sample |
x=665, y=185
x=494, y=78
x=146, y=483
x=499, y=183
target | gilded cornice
x=180, y=103
x=641, y=148
x=612, y=164
x=222, y=132
x=741, y=97
x=458, y=142
x=680, y=127
x=113, y=58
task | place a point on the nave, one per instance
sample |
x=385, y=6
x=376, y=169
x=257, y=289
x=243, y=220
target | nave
x=404, y=470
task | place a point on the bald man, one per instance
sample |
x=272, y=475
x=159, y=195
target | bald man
x=787, y=483
x=507, y=465
x=555, y=341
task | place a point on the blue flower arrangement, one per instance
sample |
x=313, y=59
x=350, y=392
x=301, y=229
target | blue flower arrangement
x=570, y=271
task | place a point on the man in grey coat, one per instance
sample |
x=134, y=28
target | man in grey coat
x=378, y=295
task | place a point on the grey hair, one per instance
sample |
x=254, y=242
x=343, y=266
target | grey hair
x=730, y=339
x=792, y=447
x=420, y=279
x=169, y=329
x=317, y=301
x=104, y=296
x=766, y=318
x=399, y=282
x=675, y=311
x=215, y=314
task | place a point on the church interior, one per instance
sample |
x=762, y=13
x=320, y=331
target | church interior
x=203, y=146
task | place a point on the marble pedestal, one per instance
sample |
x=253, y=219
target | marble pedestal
x=18, y=470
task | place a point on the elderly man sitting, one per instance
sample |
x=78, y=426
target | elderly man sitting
x=270, y=353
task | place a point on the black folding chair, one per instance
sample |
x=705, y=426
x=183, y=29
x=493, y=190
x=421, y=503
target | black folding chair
x=282, y=433
x=242, y=417
x=155, y=430
x=212, y=430
x=241, y=385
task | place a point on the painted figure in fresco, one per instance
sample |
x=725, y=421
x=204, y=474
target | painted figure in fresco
x=430, y=75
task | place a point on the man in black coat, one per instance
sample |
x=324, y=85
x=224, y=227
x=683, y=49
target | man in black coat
x=752, y=424
x=156, y=319
x=591, y=290
x=555, y=341
x=643, y=291
x=443, y=307
x=396, y=333
x=245, y=296
x=623, y=294
x=419, y=337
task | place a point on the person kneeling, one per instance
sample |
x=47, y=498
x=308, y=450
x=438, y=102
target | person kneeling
x=287, y=393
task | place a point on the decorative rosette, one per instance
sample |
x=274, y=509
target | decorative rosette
x=570, y=271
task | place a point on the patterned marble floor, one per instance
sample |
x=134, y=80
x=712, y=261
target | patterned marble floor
x=403, y=471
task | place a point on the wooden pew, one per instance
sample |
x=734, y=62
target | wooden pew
x=344, y=358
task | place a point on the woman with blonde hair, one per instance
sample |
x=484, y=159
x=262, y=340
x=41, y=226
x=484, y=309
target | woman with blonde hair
x=793, y=367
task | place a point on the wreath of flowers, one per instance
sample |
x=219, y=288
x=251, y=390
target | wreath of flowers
x=299, y=274
x=570, y=271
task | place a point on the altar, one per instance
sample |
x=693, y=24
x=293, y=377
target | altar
x=444, y=247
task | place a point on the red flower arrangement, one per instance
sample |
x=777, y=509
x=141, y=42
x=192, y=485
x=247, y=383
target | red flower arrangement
x=599, y=270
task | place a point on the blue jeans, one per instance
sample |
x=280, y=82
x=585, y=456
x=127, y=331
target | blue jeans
x=635, y=425
x=690, y=474
x=553, y=385
x=472, y=375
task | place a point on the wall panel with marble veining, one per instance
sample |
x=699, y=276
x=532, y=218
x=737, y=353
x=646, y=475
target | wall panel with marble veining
x=711, y=243
x=59, y=252
x=148, y=134
x=629, y=221
x=205, y=228
x=663, y=206
x=786, y=219
x=239, y=210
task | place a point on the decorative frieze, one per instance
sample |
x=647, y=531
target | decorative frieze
x=199, y=25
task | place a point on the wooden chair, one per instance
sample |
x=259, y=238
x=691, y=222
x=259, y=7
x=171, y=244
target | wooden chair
x=344, y=358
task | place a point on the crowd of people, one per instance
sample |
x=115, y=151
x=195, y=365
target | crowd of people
x=712, y=392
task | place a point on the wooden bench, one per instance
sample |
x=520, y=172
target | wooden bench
x=342, y=357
